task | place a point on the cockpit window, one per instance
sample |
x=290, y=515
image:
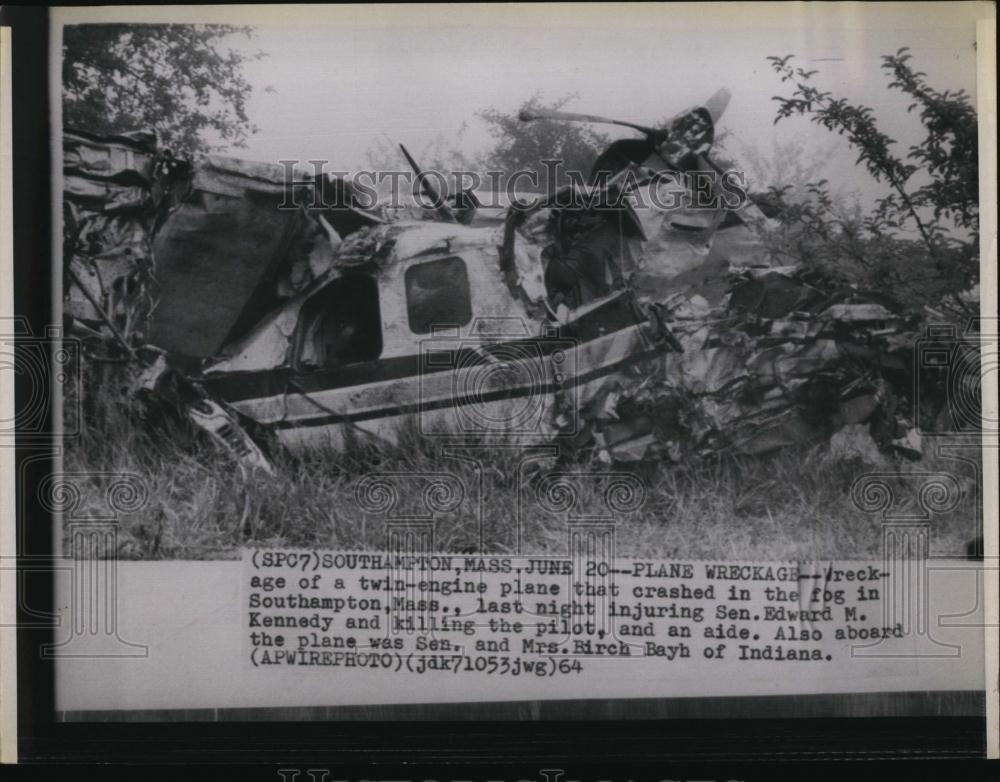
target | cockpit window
x=437, y=294
x=343, y=324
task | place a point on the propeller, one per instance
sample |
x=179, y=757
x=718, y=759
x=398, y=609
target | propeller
x=437, y=199
x=568, y=116
x=688, y=136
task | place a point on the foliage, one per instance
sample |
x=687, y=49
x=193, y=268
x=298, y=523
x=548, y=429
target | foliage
x=518, y=146
x=177, y=79
x=790, y=163
x=793, y=505
x=522, y=146
x=922, y=237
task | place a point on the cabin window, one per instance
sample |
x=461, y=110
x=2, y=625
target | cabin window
x=344, y=324
x=437, y=294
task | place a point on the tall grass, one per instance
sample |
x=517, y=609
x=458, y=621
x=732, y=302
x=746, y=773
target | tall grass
x=795, y=505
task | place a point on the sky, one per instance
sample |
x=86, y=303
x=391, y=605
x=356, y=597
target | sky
x=342, y=78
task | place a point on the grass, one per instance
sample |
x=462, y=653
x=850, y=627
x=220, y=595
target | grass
x=795, y=505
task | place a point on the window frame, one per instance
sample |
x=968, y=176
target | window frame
x=312, y=311
x=444, y=322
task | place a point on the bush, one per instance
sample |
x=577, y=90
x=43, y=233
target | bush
x=921, y=241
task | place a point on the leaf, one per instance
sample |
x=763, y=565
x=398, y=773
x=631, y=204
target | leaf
x=157, y=76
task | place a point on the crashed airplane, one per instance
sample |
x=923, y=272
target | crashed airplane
x=591, y=316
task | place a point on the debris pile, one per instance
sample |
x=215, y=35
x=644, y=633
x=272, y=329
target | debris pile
x=130, y=218
x=787, y=359
x=307, y=323
x=116, y=192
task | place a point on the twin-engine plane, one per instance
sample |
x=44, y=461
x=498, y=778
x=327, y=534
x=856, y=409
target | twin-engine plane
x=321, y=321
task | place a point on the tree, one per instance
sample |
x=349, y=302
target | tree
x=922, y=238
x=518, y=146
x=178, y=79
x=522, y=146
x=788, y=163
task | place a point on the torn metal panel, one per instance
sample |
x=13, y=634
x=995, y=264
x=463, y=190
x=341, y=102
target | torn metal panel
x=211, y=418
x=115, y=189
x=168, y=394
x=749, y=383
x=267, y=345
x=679, y=237
x=123, y=159
x=229, y=235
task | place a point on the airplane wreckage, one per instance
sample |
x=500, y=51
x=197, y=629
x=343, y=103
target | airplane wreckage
x=605, y=329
